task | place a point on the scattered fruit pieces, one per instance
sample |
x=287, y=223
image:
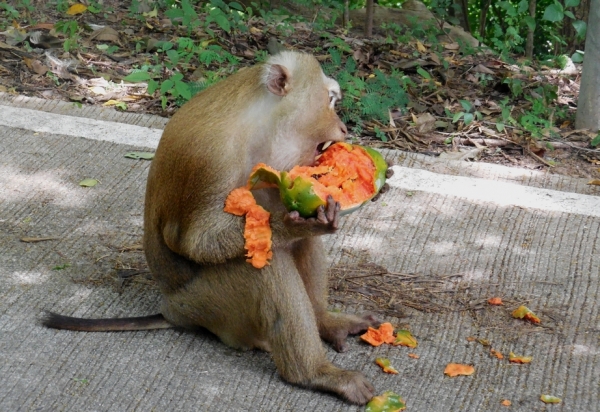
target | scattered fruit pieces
x=456, y=369
x=484, y=342
x=495, y=301
x=497, y=354
x=519, y=359
x=388, y=402
x=376, y=337
x=550, y=399
x=404, y=338
x=505, y=402
x=523, y=312
x=413, y=355
x=386, y=365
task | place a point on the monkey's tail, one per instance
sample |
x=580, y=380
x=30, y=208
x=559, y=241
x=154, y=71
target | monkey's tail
x=54, y=320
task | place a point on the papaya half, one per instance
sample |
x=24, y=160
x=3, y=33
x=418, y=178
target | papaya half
x=351, y=174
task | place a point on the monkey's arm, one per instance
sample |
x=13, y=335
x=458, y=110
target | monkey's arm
x=219, y=236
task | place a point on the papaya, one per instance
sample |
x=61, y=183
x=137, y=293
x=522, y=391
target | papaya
x=351, y=174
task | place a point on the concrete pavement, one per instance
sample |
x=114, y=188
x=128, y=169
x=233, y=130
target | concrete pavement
x=474, y=230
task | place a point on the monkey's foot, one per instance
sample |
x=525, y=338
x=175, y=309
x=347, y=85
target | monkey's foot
x=350, y=385
x=335, y=327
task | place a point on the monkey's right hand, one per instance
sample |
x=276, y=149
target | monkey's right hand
x=327, y=220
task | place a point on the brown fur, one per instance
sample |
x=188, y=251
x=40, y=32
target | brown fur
x=276, y=114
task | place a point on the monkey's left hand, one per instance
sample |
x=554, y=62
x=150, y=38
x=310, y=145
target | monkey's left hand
x=327, y=220
x=389, y=173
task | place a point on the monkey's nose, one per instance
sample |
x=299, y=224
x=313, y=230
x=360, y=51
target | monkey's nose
x=344, y=129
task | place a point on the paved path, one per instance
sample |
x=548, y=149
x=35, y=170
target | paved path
x=471, y=230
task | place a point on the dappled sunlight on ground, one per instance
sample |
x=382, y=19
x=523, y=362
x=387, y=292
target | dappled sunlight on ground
x=16, y=186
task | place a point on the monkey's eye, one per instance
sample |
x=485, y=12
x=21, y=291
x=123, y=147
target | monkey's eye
x=333, y=98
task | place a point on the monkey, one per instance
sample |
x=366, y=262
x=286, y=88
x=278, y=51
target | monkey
x=280, y=113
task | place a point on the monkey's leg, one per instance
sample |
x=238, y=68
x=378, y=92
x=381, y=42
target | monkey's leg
x=268, y=309
x=310, y=259
x=294, y=337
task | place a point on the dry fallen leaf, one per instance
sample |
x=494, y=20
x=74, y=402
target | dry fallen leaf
x=76, y=8
x=376, y=337
x=595, y=182
x=456, y=369
x=523, y=312
x=519, y=359
x=386, y=365
x=495, y=301
x=505, y=402
x=404, y=338
x=413, y=355
x=106, y=34
x=471, y=338
x=497, y=354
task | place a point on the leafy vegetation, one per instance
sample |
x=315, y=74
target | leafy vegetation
x=189, y=45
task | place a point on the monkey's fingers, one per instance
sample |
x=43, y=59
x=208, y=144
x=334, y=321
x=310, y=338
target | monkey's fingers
x=321, y=215
x=389, y=172
x=383, y=189
x=333, y=212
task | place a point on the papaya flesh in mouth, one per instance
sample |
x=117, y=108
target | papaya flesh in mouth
x=351, y=174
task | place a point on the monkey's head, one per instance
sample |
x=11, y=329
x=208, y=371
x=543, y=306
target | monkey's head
x=304, y=112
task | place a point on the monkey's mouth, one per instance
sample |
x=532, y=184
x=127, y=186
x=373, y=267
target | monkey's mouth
x=321, y=148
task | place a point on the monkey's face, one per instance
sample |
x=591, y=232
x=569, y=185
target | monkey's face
x=305, y=109
x=323, y=125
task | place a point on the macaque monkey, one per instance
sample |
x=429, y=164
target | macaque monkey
x=279, y=113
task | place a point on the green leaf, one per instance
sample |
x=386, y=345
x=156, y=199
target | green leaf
x=468, y=118
x=183, y=89
x=457, y=116
x=173, y=56
x=236, y=5
x=580, y=27
x=466, y=105
x=523, y=6
x=577, y=57
x=140, y=155
x=152, y=86
x=569, y=14
x=500, y=126
x=176, y=77
x=223, y=23
x=166, y=86
x=530, y=21
x=137, y=77
x=88, y=183
x=596, y=140
x=571, y=3
x=424, y=73
x=554, y=13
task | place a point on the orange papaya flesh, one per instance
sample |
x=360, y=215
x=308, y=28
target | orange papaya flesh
x=257, y=231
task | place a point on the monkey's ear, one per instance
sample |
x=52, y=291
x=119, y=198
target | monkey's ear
x=278, y=79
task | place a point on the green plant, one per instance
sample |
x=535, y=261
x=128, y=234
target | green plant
x=70, y=28
x=9, y=11
x=467, y=114
x=368, y=98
